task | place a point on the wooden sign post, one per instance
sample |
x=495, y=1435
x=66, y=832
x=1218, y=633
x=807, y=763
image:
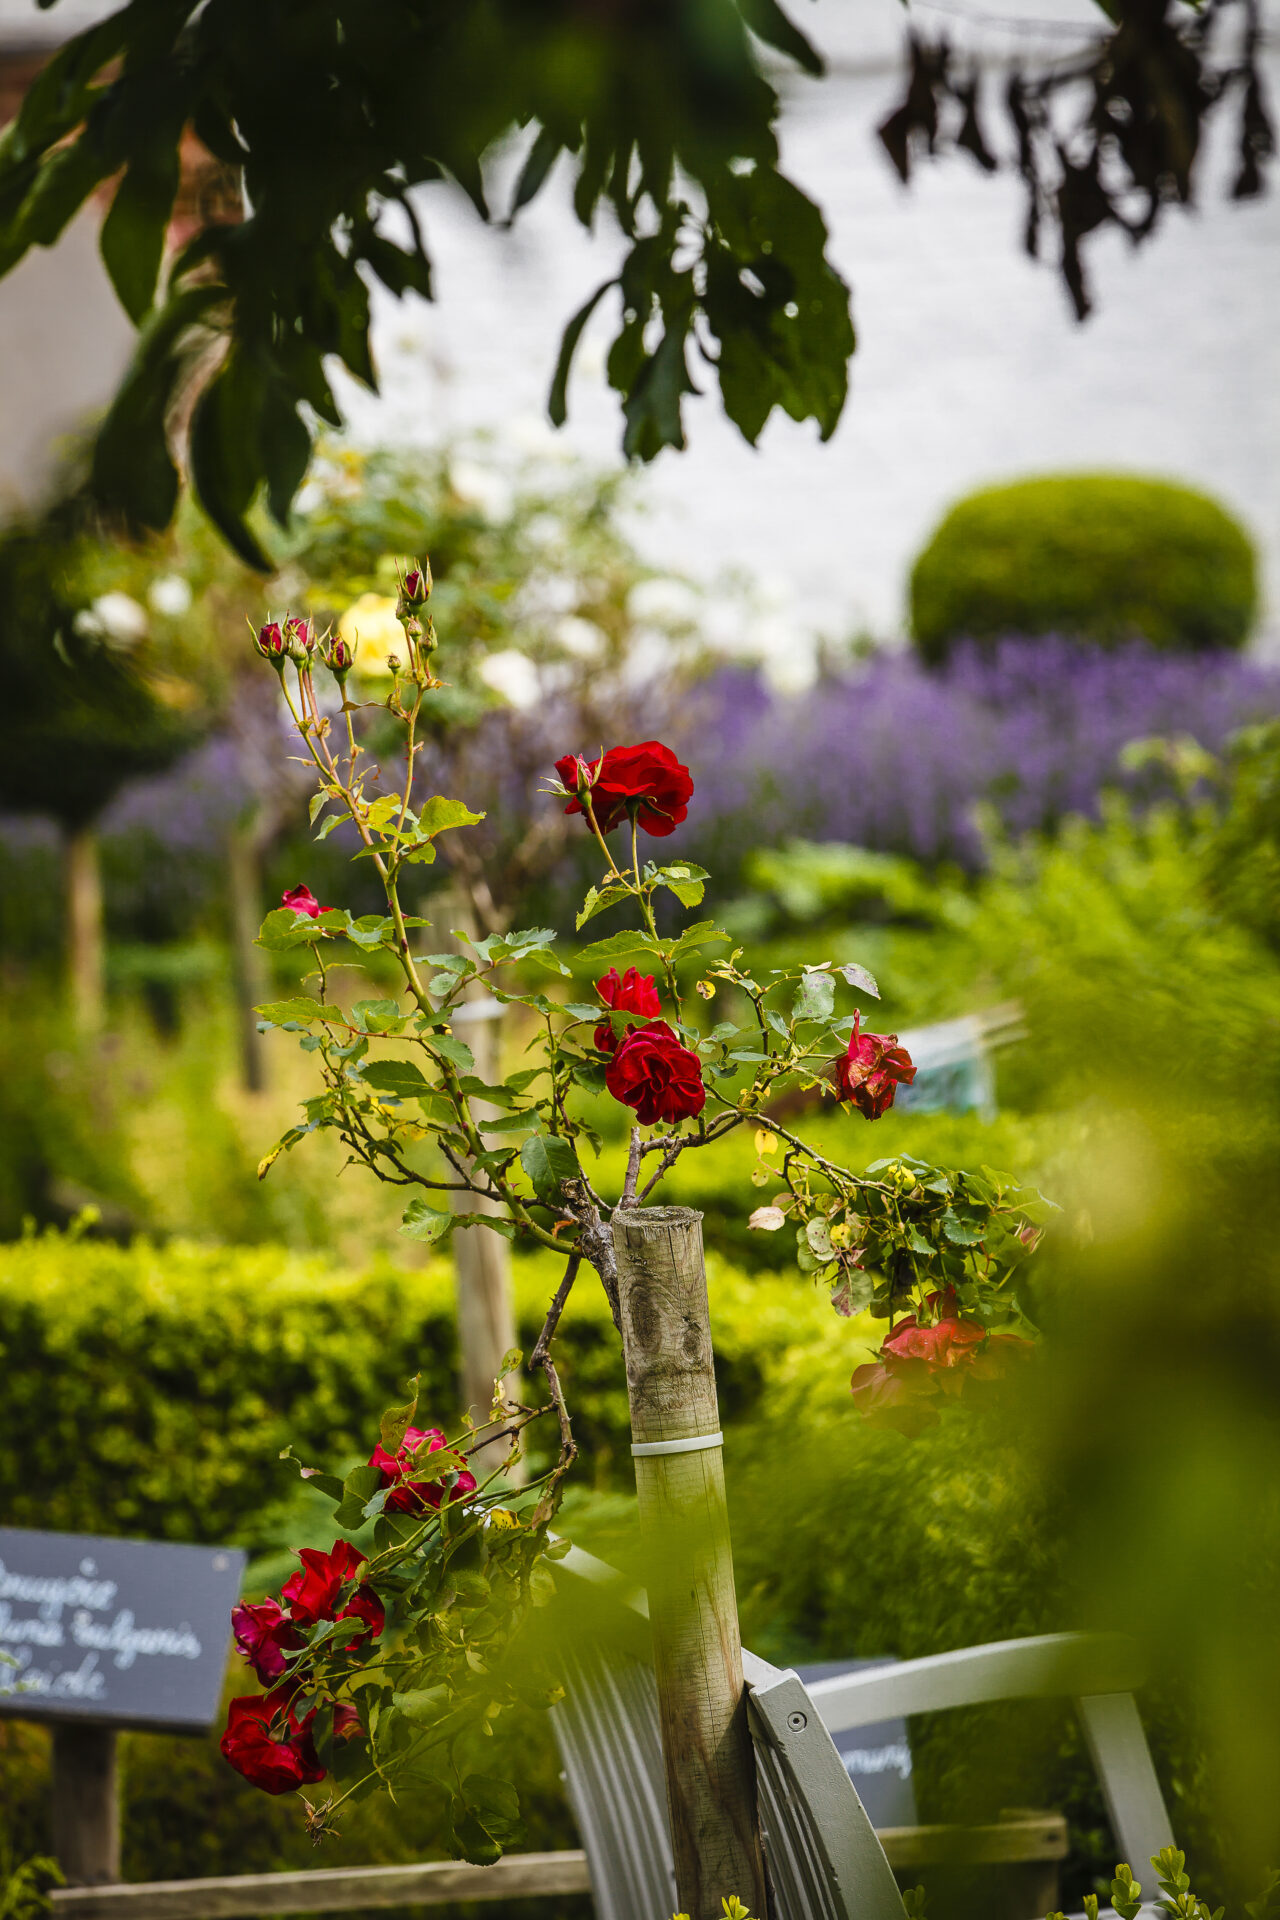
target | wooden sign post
x=105, y=1634
x=684, y=1522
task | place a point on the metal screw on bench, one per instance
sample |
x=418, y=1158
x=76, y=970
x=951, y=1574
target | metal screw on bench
x=675, y=1427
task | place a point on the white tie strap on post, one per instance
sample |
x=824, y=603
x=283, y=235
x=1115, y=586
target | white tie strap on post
x=646, y=1449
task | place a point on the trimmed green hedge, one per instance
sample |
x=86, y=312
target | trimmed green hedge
x=149, y=1390
x=1102, y=557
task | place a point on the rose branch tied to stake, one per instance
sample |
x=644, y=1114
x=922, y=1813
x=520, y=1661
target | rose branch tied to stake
x=376, y=1662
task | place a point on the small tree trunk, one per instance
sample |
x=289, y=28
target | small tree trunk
x=684, y=1523
x=84, y=928
x=248, y=969
x=482, y=1262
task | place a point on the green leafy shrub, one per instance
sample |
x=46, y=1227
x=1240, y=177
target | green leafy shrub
x=146, y=1387
x=1102, y=557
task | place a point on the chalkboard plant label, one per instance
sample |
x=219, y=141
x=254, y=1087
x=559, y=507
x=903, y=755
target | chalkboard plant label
x=121, y=1632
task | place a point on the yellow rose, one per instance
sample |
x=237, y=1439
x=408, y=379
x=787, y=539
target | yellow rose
x=370, y=628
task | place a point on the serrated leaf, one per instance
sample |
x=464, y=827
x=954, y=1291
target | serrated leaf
x=960, y=1232
x=455, y=1051
x=859, y=977
x=424, y=1222
x=632, y=940
x=398, y=1077
x=440, y=814
x=815, y=998
x=300, y=1010
x=548, y=1160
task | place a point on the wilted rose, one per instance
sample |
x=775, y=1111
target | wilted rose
x=301, y=900
x=411, y=1496
x=870, y=1072
x=279, y=1762
x=646, y=779
x=633, y=992
x=264, y=1634
x=654, y=1072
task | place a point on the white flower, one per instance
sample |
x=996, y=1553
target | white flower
x=116, y=618
x=664, y=599
x=480, y=487
x=513, y=675
x=581, y=637
x=170, y=594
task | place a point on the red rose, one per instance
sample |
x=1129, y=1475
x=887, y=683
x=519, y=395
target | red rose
x=278, y=1764
x=302, y=901
x=633, y=993
x=872, y=1070
x=923, y=1362
x=264, y=1634
x=948, y=1342
x=314, y=1591
x=411, y=1496
x=658, y=1076
x=647, y=778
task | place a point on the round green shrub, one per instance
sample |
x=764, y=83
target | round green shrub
x=1106, y=557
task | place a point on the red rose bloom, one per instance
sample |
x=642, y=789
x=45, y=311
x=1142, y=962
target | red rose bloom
x=302, y=901
x=411, y=1496
x=658, y=1076
x=264, y=1634
x=277, y=1765
x=633, y=993
x=647, y=778
x=314, y=1591
x=872, y=1070
x=923, y=1362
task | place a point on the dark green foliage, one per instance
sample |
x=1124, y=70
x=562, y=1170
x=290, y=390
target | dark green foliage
x=332, y=111
x=1101, y=557
x=80, y=719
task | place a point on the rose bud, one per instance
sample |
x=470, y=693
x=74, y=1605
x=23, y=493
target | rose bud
x=417, y=585
x=654, y=1073
x=633, y=993
x=339, y=657
x=300, y=640
x=271, y=644
x=302, y=901
x=871, y=1071
x=646, y=783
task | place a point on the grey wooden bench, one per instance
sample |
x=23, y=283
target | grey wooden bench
x=825, y=1860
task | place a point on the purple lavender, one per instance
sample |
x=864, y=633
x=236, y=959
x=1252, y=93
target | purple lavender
x=894, y=756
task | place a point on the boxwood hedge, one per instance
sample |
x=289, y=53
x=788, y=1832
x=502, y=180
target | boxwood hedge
x=1107, y=557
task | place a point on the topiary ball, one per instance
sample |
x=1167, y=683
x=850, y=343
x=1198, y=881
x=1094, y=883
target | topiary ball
x=1106, y=557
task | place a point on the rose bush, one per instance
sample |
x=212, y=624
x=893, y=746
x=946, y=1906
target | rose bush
x=456, y=1564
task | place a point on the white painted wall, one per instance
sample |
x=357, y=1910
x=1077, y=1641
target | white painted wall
x=969, y=367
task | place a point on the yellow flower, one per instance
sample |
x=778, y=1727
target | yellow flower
x=370, y=628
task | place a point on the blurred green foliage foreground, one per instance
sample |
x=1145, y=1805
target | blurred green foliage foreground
x=1133, y=1483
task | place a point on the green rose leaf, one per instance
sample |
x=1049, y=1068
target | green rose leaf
x=816, y=996
x=859, y=977
x=548, y=1160
x=300, y=1011
x=440, y=814
x=398, y=1077
x=633, y=940
x=424, y=1222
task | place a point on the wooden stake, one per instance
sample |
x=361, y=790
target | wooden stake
x=86, y=1804
x=84, y=935
x=666, y=1335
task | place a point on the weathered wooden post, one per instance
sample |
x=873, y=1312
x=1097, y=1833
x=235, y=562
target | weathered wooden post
x=482, y=1265
x=86, y=1804
x=675, y=1430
